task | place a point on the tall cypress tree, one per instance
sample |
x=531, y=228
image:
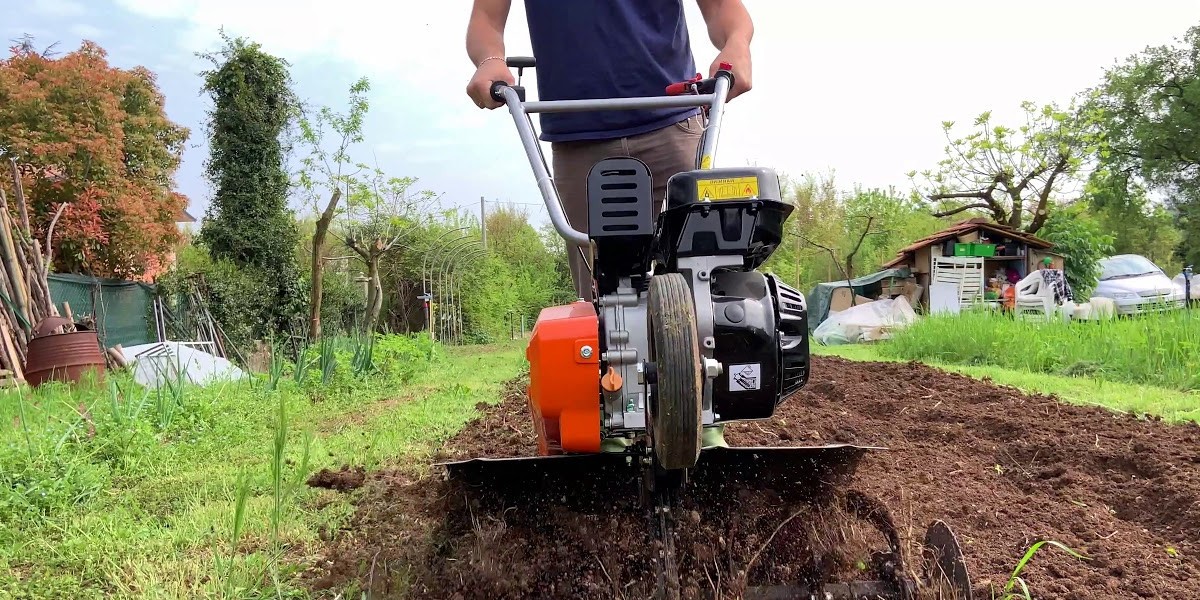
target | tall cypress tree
x=249, y=221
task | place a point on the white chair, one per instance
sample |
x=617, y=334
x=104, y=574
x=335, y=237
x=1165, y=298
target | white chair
x=1035, y=296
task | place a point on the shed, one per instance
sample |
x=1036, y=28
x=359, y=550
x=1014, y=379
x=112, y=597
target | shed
x=1016, y=250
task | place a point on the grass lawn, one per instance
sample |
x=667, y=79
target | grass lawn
x=110, y=491
x=1160, y=350
x=1172, y=405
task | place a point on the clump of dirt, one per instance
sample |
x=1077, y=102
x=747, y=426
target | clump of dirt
x=1003, y=468
x=343, y=480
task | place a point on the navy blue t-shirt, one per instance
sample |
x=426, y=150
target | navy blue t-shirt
x=608, y=49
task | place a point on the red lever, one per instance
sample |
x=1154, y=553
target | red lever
x=726, y=66
x=677, y=89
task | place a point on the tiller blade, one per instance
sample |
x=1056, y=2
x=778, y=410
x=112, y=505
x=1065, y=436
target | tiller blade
x=765, y=523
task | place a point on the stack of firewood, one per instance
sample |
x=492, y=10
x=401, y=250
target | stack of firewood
x=25, y=287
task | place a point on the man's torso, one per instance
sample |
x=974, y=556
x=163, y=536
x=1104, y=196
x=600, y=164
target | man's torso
x=608, y=49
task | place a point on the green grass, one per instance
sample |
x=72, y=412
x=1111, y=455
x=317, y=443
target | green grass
x=1171, y=405
x=109, y=491
x=1161, y=350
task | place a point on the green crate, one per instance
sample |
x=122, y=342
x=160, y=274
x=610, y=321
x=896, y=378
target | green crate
x=983, y=249
x=962, y=249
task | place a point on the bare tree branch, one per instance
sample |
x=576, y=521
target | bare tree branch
x=50, y=234
x=965, y=207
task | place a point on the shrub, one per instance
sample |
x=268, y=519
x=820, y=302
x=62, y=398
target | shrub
x=236, y=296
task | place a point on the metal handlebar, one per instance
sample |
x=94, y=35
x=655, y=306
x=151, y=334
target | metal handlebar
x=512, y=97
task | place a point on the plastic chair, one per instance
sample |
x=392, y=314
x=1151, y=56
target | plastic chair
x=1035, y=297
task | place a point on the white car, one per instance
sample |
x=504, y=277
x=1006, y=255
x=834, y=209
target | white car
x=1137, y=285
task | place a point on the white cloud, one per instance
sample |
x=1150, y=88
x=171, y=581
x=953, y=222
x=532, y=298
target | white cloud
x=857, y=87
x=60, y=8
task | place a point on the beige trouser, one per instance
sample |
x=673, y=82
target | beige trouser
x=666, y=151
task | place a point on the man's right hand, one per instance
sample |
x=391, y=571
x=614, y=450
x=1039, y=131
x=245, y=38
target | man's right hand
x=480, y=86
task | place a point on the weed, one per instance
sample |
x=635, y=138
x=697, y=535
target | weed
x=327, y=359
x=1015, y=579
x=302, y=364
x=275, y=374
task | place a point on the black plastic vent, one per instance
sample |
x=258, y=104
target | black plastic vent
x=793, y=336
x=619, y=192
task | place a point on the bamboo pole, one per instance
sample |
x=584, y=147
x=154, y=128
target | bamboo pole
x=20, y=189
x=13, y=354
x=11, y=264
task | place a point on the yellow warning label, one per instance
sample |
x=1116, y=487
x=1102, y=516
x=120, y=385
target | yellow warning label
x=731, y=188
x=706, y=162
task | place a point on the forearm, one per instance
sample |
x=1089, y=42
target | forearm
x=728, y=22
x=485, y=29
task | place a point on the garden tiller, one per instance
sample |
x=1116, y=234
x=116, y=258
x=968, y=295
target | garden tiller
x=684, y=336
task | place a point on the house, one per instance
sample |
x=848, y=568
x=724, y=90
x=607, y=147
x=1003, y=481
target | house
x=184, y=219
x=970, y=254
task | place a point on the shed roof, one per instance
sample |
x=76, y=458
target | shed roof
x=964, y=227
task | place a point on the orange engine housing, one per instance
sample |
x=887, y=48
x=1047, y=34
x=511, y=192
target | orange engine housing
x=564, y=387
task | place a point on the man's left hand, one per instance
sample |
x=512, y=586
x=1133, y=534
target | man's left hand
x=737, y=55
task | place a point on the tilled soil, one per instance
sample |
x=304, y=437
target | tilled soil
x=1003, y=468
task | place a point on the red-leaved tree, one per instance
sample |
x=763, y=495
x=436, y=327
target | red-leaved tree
x=98, y=139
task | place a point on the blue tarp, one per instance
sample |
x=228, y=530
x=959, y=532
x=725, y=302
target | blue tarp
x=866, y=285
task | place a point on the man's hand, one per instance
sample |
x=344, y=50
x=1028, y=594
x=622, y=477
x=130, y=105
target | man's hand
x=737, y=55
x=480, y=86
x=730, y=29
x=485, y=46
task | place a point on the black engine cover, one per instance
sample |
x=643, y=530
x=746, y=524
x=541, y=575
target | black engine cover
x=760, y=328
x=729, y=211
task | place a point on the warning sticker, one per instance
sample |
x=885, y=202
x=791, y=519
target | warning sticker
x=744, y=377
x=730, y=188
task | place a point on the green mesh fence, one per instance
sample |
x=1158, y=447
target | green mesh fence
x=122, y=309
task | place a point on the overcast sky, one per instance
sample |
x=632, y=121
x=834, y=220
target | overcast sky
x=858, y=88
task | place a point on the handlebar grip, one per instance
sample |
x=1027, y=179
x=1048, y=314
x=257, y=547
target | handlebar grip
x=495, y=91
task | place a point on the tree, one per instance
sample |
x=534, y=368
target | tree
x=94, y=146
x=381, y=215
x=1147, y=115
x=1015, y=176
x=1138, y=225
x=327, y=175
x=249, y=221
x=840, y=233
x=869, y=227
x=1082, y=241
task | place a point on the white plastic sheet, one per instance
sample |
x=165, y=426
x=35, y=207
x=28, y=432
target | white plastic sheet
x=156, y=364
x=866, y=322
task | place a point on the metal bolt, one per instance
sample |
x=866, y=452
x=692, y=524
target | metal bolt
x=585, y=352
x=712, y=368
